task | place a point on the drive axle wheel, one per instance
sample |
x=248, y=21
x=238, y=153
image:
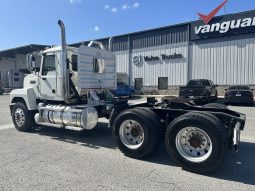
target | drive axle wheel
x=136, y=132
x=131, y=134
x=197, y=141
x=21, y=117
x=193, y=144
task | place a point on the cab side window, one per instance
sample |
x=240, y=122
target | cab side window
x=48, y=64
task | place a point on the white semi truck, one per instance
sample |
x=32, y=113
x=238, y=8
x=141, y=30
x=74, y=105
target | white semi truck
x=70, y=90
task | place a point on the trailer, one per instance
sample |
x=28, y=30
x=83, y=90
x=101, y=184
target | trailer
x=71, y=89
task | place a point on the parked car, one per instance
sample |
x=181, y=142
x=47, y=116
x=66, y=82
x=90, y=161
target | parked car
x=199, y=90
x=239, y=94
x=124, y=90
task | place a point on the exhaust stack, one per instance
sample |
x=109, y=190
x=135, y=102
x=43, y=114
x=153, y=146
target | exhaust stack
x=110, y=44
x=64, y=62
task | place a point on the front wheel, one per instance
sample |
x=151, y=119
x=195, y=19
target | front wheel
x=197, y=141
x=21, y=117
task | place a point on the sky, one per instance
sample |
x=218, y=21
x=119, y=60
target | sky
x=24, y=22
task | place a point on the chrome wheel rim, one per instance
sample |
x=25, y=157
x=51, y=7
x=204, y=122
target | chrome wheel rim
x=131, y=134
x=193, y=144
x=19, y=117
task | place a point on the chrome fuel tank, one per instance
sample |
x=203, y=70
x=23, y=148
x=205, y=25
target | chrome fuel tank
x=85, y=118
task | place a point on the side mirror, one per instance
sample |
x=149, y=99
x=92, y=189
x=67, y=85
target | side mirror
x=31, y=62
x=252, y=90
x=216, y=85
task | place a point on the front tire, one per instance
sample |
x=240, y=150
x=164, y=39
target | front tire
x=136, y=132
x=197, y=141
x=21, y=117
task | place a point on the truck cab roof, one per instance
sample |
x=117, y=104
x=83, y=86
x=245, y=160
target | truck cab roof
x=58, y=48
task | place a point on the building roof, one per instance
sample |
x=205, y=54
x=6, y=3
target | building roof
x=156, y=30
x=22, y=50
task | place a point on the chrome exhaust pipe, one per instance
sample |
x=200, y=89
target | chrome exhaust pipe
x=100, y=44
x=110, y=44
x=64, y=62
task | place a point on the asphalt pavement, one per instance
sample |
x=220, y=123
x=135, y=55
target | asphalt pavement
x=57, y=159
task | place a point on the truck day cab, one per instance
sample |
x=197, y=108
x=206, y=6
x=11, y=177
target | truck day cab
x=71, y=90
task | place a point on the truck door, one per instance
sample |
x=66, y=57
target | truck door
x=48, y=79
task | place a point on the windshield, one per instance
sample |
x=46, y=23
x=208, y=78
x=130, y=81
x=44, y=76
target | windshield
x=239, y=88
x=198, y=83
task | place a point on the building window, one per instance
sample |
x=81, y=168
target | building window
x=163, y=83
x=138, y=83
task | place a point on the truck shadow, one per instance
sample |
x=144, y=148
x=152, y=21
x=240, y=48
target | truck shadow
x=100, y=136
x=238, y=167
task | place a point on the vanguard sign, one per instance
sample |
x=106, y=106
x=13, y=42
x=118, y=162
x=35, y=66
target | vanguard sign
x=225, y=25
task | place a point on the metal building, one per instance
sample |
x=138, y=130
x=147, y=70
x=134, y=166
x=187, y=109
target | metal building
x=166, y=58
x=163, y=58
x=13, y=65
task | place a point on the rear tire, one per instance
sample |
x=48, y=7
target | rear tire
x=197, y=141
x=21, y=117
x=136, y=132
